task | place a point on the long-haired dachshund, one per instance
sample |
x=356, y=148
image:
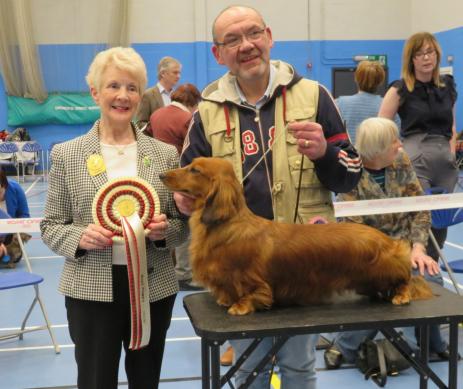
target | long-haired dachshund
x=250, y=263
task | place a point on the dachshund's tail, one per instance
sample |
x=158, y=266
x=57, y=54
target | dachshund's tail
x=419, y=288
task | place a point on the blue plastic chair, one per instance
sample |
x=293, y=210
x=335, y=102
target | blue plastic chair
x=8, y=155
x=37, y=157
x=444, y=218
x=11, y=279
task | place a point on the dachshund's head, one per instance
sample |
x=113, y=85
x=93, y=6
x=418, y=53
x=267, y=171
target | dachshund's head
x=214, y=186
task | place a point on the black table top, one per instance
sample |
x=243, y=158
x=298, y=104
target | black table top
x=354, y=313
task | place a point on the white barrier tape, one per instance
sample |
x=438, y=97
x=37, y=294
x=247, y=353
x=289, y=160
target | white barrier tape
x=10, y=226
x=398, y=204
x=341, y=209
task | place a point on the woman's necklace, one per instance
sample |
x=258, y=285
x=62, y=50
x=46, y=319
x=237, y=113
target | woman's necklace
x=120, y=150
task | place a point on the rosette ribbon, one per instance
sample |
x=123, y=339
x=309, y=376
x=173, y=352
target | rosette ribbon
x=126, y=206
x=135, y=248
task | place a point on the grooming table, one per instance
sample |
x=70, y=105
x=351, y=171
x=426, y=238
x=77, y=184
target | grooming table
x=212, y=323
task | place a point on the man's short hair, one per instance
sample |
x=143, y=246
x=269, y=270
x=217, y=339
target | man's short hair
x=166, y=63
x=214, y=35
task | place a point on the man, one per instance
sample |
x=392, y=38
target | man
x=169, y=72
x=261, y=116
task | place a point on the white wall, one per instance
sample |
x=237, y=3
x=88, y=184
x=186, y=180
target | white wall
x=88, y=21
x=359, y=19
x=71, y=21
x=436, y=16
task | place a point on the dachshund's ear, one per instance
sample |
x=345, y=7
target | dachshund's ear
x=221, y=201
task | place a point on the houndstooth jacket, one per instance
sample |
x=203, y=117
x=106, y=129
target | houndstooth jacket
x=87, y=275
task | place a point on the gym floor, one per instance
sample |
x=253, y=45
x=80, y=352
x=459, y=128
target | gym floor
x=31, y=363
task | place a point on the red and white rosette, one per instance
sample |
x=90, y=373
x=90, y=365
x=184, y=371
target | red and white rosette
x=123, y=197
x=126, y=206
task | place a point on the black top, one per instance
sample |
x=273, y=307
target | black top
x=428, y=108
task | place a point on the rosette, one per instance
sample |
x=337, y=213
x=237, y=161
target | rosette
x=124, y=196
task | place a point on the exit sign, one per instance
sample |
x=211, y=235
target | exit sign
x=381, y=58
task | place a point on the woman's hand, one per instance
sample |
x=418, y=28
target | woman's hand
x=158, y=227
x=422, y=261
x=95, y=238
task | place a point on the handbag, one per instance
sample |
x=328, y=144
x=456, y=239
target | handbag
x=377, y=359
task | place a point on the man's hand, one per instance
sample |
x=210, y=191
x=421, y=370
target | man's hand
x=310, y=139
x=158, y=227
x=184, y=203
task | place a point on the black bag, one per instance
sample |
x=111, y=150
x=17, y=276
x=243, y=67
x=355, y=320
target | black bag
x=377, y=359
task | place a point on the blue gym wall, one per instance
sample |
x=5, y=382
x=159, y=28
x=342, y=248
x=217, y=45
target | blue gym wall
x=64, y=67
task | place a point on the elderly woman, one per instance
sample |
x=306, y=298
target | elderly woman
x=95, y=276
x=387, y=173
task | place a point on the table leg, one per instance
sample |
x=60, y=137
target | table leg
x=215, y=365
x=424, y=353
x=205, y=364
x=226, y=378
x=280, y=341
x=453, y=360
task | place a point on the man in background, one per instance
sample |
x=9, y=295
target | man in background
x=169, y=72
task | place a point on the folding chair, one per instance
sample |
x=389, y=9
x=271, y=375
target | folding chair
x=32, y=154
x=18, y=279
x=8, y=157
x=444, y=218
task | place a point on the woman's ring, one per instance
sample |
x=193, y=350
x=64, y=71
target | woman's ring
x=306, y=143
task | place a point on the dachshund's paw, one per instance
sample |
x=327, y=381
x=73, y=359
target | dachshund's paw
x=402, y=295
x=401, y=298
x=239, y=309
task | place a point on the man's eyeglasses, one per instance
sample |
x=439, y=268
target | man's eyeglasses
x=422, y=54
x=233, y=41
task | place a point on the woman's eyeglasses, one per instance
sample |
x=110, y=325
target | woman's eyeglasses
x=422, y=54
x=233, y=41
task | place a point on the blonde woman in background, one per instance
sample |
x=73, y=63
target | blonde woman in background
x=425, y=103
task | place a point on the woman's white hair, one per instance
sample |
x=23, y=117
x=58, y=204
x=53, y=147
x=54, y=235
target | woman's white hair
x=374, y=136
x=123, y=58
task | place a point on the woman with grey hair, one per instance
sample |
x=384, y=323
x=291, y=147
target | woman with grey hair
x=97, y=279
x=387, y=173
